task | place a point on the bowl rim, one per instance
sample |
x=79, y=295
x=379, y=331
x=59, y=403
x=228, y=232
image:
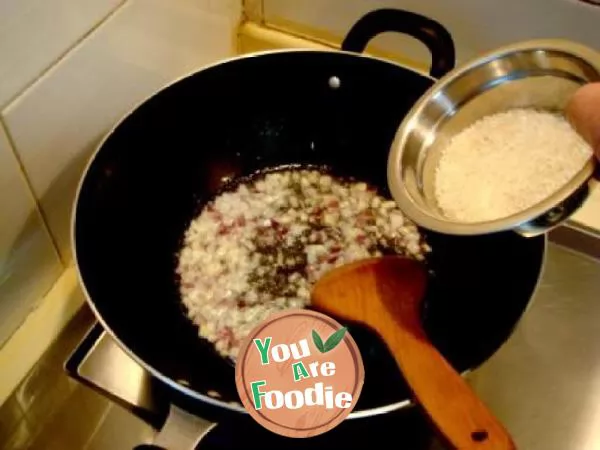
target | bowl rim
x=394, y=173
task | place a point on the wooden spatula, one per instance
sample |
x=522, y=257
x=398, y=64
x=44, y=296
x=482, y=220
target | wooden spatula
x=385, y=294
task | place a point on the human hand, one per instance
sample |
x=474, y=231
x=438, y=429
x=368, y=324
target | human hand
x=583, y=111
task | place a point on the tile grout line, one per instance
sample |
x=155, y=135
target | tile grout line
x=235, y=32
x=262, y=11
x=251, y=9
x=12, y=143
x=27, y=181
x=63, y=55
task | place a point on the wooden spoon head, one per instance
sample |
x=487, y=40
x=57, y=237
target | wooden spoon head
x=385, y=294
x=371, y=290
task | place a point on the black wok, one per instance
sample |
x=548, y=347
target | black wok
x=170, y=155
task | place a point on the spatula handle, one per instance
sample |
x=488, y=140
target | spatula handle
x=460, y=416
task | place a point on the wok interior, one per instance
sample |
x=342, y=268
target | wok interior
x=164, y=161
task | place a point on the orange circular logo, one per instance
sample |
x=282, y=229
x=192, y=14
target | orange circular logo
x=299, y=373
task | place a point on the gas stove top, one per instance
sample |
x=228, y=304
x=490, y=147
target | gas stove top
x=99, y=363
x=549, y=360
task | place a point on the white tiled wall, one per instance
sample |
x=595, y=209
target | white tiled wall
x=28, y=261
x=34, y=33
x=69, y=69
x=146, y=44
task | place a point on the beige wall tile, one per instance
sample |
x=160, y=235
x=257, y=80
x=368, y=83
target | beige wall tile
x=476, y=25
x=255, y=38
x=228, y=8
x=29, y=264
x=253, y=10
x=35, y=33
x=57, y=123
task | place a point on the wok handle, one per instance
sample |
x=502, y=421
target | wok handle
x=182, y=431
x=431, y=33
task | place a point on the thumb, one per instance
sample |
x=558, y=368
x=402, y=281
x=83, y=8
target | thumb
x=583, y=111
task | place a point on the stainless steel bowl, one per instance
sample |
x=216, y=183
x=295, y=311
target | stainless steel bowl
x=542, y=74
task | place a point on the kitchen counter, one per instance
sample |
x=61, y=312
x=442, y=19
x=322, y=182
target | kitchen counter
x=544, y=383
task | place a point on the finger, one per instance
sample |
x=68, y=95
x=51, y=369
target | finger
x=583, y=111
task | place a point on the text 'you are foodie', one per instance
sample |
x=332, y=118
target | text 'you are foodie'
x=299, y=373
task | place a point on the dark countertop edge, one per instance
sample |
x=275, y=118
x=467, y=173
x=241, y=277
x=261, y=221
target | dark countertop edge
x=578, y=238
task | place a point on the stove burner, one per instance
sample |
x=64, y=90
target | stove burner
x=99, y=363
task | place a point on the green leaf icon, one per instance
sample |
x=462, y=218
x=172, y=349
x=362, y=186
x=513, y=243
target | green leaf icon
x=318, y=341
x=332, y=341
